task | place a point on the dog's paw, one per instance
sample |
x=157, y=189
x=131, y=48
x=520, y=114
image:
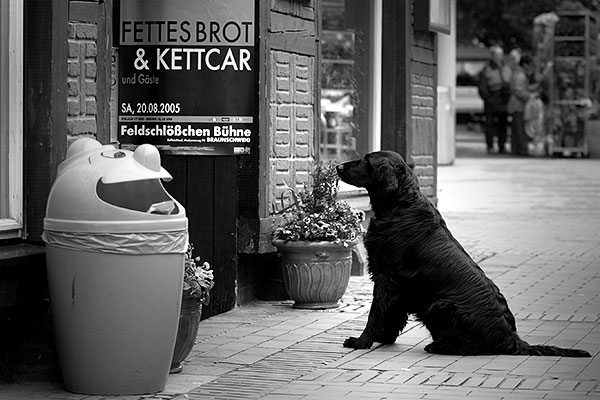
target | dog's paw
x=358, y=343
x=439, y=348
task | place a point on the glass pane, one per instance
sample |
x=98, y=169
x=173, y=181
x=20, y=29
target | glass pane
x=343, y=79
x=4, y=167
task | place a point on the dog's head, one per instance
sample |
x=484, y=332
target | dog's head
x=380, y=171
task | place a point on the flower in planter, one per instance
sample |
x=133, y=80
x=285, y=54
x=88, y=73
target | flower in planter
x=198, y=277
x=317, y=215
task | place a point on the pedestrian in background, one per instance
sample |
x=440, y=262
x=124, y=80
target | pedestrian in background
x=494, y=89
x=521, y=93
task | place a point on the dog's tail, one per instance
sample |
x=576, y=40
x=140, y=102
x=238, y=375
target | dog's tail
x=525, y=348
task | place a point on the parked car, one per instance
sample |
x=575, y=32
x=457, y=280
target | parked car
x=469, y=63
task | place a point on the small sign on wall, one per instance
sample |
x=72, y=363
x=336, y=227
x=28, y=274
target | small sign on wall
x=187, y=75
x=433, y=15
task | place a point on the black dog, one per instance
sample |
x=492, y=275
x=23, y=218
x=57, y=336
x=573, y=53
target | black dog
x=419, y=268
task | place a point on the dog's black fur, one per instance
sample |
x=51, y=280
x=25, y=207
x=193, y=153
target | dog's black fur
x=419, y=268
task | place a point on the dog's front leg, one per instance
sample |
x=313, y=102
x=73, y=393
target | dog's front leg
x=386, y=319
x=365, y=340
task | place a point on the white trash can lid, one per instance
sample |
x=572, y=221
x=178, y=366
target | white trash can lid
x=102, y=189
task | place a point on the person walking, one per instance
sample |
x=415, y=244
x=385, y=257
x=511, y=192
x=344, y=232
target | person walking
x=494, y=89
x=520, y=95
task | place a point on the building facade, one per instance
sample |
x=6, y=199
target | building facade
x=335, y=79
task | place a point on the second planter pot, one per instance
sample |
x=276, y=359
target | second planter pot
x=189, y=320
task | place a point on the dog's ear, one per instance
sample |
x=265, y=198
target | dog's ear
x=408, y=177
x=407, y=170
x=387, y=176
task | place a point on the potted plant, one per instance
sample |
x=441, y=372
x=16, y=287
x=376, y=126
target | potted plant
x=315, y=241
x=197, y=282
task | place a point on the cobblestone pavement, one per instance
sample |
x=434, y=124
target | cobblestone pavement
x=534, y=226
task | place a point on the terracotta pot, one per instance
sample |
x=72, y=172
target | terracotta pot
x=315, y=274
x=189, y=319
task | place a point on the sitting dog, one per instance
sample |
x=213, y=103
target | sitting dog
x=419, y=268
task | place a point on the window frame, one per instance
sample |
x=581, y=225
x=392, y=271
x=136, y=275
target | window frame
x=375, y=72
x=373, y=93
x=11, y=121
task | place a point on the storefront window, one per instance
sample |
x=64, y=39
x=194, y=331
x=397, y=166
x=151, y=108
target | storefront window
x=350, y=78
x=11, y=118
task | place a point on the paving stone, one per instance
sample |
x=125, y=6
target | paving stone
x=419, y=379
x=474, y=381
x=570, y=396
x=384, y=377
x=453, y=392
x=283, y=397
x=529, y=383
x=437, y=379
x=456, y=380
x=534, y=366
x=504, y=363
x=548, y=384
x=586, y=386
x=467, y=364
x=436, y=362
x=540, y=245
x=510, y=383
x=491, y=382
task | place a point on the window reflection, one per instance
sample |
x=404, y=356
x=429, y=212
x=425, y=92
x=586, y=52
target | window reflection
x=344, y=55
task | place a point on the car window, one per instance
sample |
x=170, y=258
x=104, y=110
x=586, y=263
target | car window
x=467, y=72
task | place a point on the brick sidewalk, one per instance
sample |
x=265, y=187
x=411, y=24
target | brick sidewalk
x=534, y=226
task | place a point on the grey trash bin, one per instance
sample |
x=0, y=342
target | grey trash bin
x=115, y=247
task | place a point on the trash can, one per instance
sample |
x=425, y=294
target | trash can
x=115, y=247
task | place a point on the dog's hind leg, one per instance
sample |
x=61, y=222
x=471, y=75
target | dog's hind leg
x=439, y=317
x=440, y=320
x=386, y=319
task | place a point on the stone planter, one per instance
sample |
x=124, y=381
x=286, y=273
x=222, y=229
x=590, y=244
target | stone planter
x=316, y=274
